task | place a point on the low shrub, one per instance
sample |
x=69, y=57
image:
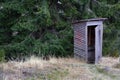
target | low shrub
x=2, y=55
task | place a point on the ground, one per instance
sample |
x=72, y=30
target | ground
x=60, y=69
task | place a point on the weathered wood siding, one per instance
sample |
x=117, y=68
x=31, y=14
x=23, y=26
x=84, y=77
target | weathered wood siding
x=81, y=36
x=80, y=41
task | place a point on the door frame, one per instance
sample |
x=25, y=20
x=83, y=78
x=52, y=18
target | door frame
x=98, y=42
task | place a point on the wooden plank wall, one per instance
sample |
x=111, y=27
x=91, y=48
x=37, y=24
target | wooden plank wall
x=79, y=41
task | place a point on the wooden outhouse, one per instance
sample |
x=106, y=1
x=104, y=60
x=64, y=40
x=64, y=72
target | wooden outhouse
x=88, y=37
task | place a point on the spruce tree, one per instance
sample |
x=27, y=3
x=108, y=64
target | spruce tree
x=43, y=27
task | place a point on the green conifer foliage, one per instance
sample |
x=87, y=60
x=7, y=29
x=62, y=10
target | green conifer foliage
x=43, y=27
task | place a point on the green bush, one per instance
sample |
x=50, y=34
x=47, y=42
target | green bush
x=2, y=55
x=43, y=27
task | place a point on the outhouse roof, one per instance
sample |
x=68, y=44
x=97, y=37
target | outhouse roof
x=88, y=20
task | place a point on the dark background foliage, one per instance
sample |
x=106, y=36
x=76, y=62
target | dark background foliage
x=43, y=27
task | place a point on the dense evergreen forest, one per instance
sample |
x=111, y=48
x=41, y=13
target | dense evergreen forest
x=43, y=27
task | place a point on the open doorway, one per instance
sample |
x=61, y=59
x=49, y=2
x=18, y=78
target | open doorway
x=91, y=43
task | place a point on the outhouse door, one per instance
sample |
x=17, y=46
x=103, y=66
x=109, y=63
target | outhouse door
x=97, y=43
x=94, y=43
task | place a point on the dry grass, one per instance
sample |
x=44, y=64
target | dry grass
x=109, y=61
x=59, y=69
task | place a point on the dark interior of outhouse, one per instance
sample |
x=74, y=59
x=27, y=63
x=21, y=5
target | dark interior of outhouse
x=91, y=44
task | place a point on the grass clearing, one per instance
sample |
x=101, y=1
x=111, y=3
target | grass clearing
x=59, y=69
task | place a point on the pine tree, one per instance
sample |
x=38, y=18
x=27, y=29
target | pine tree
x=43, y=27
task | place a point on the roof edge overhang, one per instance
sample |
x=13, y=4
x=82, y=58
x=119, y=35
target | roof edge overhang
x=88, y=20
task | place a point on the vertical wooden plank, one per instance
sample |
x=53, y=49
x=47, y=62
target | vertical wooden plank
x=101, y=38
x=97, y=44
x=86, y=42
